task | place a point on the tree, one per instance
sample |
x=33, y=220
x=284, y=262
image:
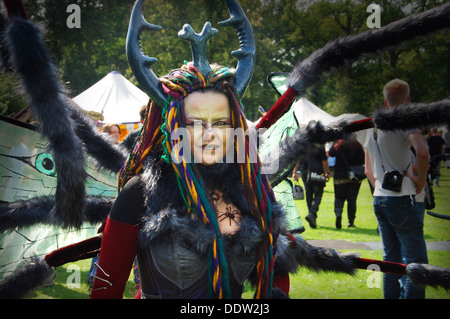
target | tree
x=11, y=99
x=88, y=53
x=305, y=26
x=286, y=31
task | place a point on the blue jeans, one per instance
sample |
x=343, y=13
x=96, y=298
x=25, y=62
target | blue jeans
x=401, y=229
x=421, y=210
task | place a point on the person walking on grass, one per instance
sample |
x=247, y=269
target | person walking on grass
x=388, y=168
x=346, y=189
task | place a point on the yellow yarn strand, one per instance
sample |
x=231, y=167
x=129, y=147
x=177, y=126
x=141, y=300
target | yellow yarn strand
x=217, y=271
x=258, y=287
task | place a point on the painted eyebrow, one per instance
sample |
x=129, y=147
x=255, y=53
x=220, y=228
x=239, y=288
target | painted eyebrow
x=194, y=118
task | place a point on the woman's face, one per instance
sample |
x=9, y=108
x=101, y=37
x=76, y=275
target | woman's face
x=208, y=121
x=115, y=133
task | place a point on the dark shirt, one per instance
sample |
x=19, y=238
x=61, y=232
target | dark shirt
x=313, y=162
x=435, y=143
x=353, y=153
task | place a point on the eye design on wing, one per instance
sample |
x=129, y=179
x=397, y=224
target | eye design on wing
x=42, y=162
x=45, y=164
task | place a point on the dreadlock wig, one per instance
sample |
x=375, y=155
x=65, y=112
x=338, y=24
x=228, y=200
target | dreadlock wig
x=157, y=135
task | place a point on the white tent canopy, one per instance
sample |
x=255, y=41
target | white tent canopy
x=116, y=98
x=351, y=117
x=305, y=111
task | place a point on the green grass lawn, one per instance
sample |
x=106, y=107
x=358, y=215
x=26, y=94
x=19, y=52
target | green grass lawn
x=306, y=284
x=435, y=229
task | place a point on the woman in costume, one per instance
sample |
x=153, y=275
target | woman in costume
x=203, y=222
x=194, y=202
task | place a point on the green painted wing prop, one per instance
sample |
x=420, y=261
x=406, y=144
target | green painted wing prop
x=283, y=128
x=27, y=170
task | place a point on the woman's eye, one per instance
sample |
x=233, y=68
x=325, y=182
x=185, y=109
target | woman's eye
x=195, y=124
x=220, y=123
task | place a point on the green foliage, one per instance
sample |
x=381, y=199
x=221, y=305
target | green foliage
x=286, y=32
x=11, y=100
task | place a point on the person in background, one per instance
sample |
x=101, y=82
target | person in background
x=315, y=165
x=437, y=147
x=446, y=137
x=388, y=165
x=129, y=140
x=113, y=130
x=345, y=189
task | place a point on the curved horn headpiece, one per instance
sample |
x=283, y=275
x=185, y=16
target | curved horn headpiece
x=247, y=53
x=141, y=64
x=198, y=46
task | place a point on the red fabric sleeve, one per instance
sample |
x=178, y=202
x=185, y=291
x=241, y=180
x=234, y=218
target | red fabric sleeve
x=117, y=253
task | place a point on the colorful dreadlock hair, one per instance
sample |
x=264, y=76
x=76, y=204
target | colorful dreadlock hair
x=156, y=134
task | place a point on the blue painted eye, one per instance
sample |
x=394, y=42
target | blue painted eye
x=45, y=164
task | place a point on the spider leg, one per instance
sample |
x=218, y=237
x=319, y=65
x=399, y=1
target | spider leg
x=224, y=216
x=233, y=218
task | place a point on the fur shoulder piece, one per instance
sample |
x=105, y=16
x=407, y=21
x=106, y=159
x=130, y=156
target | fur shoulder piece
x=168, y=225
x=162, y=226
x=166, y=212
x=296, y=252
